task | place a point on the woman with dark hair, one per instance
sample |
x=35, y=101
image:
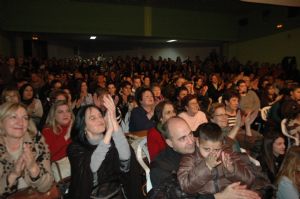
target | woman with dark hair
x=272, y=154
x=34, y=105
x=269, y=96
x=155, y=141
x=141, y=116
x=99, y=152
x=83, y=97
x=288, y=177
x=192, y=114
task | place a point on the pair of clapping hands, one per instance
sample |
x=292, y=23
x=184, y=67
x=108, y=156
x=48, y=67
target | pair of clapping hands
x=245, y=118
x=25, y=161
x=221, y=157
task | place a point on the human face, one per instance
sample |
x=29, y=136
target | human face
x=179, y=82
x=207, y=146
x=271, y=90
x=296, y=94
x=126, y=90
x=182, y=94
x=57, y=86
x=147, y=99
x=83, y=87
x=147, y=81
x=15, y=124
x=214, y=79
x=137, y=83
x=279, y=147
x=220, y=117
x=156, y=91
x=111, y=89
x=168, y=112
x=233, y=103
x=247, y=80
x=12, y=96
x=242, y=88
x=63, y=115
x=192, y=107
x=182, y=139
x=94, y=121
x=28, y=93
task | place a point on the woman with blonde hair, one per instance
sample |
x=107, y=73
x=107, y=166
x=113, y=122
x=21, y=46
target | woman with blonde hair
x=57, y=136
x=24, y=156
x=288, y=177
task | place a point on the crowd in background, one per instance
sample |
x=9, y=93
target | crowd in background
x=144, y=94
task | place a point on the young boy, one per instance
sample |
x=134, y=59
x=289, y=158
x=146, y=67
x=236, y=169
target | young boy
x=213, y=165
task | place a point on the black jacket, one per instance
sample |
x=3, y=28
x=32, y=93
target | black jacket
x=108, y=175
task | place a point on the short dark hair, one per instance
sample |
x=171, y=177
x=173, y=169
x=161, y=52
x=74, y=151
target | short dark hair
x=240, y=82
x=187, y=99
x=125, y=83
x=139, y=94
x=210, y=131
x=230, y=94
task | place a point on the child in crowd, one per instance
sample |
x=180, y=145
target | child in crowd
x=213, y=166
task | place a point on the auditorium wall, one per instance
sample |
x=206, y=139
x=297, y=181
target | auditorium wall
x=267, y=49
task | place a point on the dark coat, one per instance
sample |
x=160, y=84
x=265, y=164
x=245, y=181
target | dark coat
x=108, y=174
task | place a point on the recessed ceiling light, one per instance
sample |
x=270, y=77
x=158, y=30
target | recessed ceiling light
x=279, y=26
x=93, y=37
x=172, y=40
x=34, y=37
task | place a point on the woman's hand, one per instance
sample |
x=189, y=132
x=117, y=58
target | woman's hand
x=250, y=117
x=17, y=171
x=30, y=163
x=236, y=191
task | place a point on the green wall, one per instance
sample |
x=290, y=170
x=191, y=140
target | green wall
x=66, y=16
x=267, y=49
x=5, y=44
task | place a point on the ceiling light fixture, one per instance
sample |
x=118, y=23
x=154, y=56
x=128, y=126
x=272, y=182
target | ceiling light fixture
x=279, y=26
x=172, y=40
x=93, y=37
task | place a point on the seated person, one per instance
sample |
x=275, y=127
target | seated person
x=141, y=116
x=180, y=141
x=212, y=167
x=155, y=141
x=288, y=176
x=192, y=114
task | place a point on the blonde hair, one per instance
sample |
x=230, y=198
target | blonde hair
x=51, y=121
x=9, y=108
x=289, y=166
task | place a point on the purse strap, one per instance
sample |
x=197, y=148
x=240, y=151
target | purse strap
x=58, y=169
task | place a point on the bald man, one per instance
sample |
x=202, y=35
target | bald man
x=180, y=141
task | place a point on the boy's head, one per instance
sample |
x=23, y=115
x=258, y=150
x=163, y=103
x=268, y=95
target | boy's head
x=210, y=138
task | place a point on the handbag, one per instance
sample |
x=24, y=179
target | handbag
x=31, y=193
x=63, y=179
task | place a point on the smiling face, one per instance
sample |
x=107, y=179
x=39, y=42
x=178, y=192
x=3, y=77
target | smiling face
x=167, y=113
x=15, y=124
x=147, y=99
x=220, y=117
x=233, y=103
x=63, y=115
x=192, y=107
x=279, y=147
x=94, y=122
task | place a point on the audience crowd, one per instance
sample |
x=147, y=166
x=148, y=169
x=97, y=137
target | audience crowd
x=74, y=121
